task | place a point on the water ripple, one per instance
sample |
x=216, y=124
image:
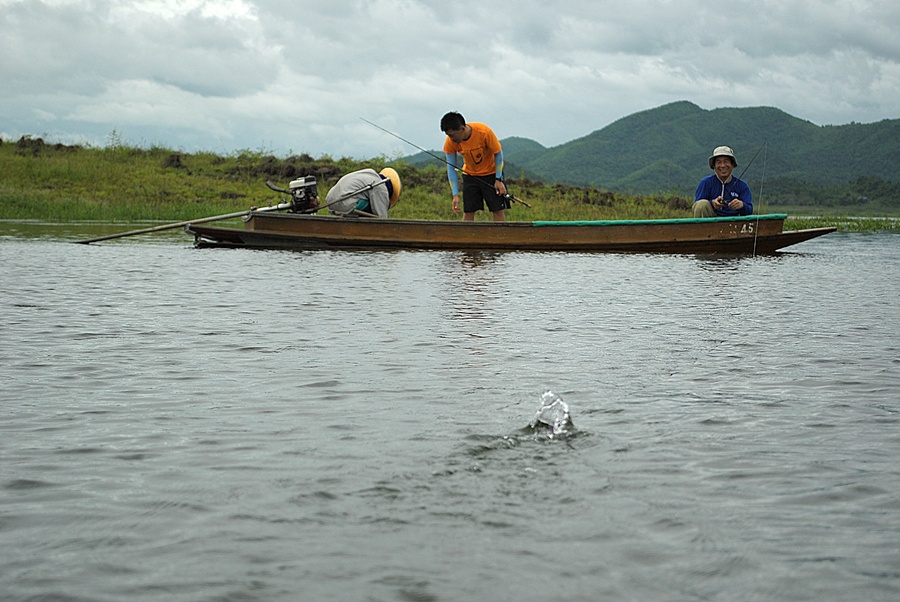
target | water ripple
x=183, y=424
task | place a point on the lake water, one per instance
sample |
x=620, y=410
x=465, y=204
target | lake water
x=235, y=425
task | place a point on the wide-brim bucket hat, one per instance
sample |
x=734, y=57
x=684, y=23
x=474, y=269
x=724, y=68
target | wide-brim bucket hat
x=722, y=151
x=391, y=174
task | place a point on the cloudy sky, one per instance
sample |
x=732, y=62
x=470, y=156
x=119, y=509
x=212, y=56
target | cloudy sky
x=293, y=76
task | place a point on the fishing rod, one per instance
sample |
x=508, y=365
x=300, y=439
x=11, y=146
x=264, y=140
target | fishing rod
x=753, y=159
x=745, y=170
x=507, y=196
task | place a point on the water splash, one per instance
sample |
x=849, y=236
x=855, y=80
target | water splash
x=553, y=416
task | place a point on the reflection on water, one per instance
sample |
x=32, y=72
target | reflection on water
x=189, y=424
x=471, y=290
x=476, y=259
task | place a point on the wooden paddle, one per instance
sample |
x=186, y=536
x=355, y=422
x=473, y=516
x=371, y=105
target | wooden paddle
x=278, y=207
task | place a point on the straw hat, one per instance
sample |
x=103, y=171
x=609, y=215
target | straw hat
x=722, y=151
x=392, y=175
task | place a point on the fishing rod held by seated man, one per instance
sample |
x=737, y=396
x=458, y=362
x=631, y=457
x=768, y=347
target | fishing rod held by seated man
x=720, y=194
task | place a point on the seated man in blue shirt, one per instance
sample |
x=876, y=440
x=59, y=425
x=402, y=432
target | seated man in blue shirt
x=719, y=194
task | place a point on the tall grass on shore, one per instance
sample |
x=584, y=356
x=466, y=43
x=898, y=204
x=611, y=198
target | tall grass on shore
x=119, y=183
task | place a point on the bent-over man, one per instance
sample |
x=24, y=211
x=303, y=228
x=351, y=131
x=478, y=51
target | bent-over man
x=365, y=192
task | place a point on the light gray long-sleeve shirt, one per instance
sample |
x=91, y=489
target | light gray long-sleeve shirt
x=379, y=200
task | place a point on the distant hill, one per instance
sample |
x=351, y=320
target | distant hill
x=665, y=150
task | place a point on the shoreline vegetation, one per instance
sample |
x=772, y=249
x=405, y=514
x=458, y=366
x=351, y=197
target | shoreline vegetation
x=48, y=182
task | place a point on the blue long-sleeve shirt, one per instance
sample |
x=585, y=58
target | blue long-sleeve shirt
x=711, y=188
x=454, y=178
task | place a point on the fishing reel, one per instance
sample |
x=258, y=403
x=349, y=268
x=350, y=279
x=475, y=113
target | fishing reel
x=304, y=194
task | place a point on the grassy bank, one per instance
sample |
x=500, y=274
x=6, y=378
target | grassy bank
x=58, y=183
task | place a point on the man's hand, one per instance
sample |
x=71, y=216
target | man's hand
x=455, y=203
x=734, y=204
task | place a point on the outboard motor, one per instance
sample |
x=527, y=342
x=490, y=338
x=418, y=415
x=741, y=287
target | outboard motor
x=304, y=195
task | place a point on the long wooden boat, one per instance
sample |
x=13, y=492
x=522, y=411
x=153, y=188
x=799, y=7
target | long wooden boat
x=759, y=234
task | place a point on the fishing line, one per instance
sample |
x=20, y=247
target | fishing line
x=740, y=177
x=508, y=196
x=761, y=186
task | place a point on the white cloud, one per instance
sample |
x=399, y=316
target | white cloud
x=298, y=75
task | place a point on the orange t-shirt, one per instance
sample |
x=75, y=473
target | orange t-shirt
x=478, y=151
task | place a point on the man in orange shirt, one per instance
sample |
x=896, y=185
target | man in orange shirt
x=482, y=166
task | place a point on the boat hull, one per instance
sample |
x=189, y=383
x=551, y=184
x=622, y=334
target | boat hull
x=751, y=234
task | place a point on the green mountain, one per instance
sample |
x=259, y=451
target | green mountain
x=666, y=149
